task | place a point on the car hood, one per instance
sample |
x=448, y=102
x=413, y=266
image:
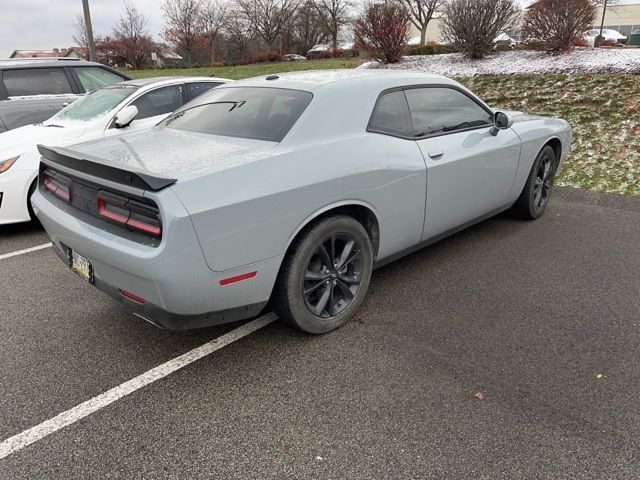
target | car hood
x=174, y=153
x=16, y=141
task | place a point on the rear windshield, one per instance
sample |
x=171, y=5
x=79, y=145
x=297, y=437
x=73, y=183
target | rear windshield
x=94, y=104
x=256, y=113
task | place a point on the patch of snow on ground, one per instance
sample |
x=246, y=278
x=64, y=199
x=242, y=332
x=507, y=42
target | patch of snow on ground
x=580, y=60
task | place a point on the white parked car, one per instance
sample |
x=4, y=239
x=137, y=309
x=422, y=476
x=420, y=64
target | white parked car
x=504, y=39
x=318, y=49
x=607, y=33
x=120, y=108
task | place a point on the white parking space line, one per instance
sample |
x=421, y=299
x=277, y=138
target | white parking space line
x=26, y=250
x=21, y=440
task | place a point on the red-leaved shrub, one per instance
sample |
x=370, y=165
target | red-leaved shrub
x=382, y=32
x=558, y=22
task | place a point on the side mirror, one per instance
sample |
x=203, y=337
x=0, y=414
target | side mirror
x=125, y=116
x=501, y=121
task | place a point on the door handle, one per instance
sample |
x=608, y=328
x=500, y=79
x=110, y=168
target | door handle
x=436, y=154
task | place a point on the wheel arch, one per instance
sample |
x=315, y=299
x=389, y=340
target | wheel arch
x=556, y=144
x=361, y=211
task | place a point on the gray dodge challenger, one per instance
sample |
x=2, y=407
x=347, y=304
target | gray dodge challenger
x=289, y=190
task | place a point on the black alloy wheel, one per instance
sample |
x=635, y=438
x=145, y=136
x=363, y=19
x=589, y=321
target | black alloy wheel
x=333, y=275
x=535, y=195
x=325, y=277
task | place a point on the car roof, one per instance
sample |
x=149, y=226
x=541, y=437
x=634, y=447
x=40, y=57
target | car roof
x=315, y=79
x=45, y=62
x=143, y=82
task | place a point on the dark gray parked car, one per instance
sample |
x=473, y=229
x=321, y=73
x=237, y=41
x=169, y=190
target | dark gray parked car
x=32, y=90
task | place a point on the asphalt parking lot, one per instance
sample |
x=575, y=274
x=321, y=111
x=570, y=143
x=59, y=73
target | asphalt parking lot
x=509, y=350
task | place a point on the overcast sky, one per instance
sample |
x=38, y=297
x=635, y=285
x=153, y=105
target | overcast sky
x=46, y=24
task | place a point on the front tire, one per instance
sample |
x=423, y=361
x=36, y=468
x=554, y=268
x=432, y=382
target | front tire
x=325, y=278
x=535, y=195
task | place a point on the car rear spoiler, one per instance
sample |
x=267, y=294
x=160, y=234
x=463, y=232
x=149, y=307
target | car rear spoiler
x=105, y=169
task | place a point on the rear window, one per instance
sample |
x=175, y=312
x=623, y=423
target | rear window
x=36, y=81
x=255, y=113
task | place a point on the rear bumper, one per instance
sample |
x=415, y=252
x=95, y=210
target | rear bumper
x=179, y=290
x=162, y=318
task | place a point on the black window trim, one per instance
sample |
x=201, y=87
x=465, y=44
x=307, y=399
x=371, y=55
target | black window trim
x=408, y=111
x=4, y=94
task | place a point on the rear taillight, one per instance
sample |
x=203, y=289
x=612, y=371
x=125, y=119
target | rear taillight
x=129, y=213
x=57, y=184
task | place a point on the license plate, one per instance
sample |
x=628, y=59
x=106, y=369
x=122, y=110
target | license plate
x=81, y=266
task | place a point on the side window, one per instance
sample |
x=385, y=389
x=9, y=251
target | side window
x=437, y=110
x=198, y=88
x=160, y=101
x=93, y=78
x=390, y=115
x=36, y=81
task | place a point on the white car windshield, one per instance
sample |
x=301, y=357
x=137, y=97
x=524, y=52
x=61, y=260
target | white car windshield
x=93, y=105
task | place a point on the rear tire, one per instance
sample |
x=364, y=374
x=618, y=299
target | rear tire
x=535, y=195
x=324, y=279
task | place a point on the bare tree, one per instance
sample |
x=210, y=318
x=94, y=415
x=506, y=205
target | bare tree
x=183, y=24
x=213, y=18
x=269, y=17
x=240, y=32
x=473, y=25
x=130, y=38
x=79, y=35
x=332, y=14
x=558, y=22
x=306, y=28
x=421, y=12
x=132, y=22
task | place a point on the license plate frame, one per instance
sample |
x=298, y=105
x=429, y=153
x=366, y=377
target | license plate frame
x=81, y=266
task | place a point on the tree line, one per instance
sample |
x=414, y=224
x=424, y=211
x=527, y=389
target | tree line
x=208, y=32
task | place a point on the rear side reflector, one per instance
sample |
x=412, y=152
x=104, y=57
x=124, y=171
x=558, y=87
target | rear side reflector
x=131, y=296
x=237, y=278
x=129, y=213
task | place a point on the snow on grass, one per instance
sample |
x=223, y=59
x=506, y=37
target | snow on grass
x=604, y=112
x=580, y=60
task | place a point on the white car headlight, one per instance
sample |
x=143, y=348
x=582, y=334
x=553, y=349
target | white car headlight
x=6, y=164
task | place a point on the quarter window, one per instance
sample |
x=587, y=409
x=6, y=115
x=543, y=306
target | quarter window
x=93, y=78
x=36, y=81
x=437, y=110
x=390, y=115
x=159, y=102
